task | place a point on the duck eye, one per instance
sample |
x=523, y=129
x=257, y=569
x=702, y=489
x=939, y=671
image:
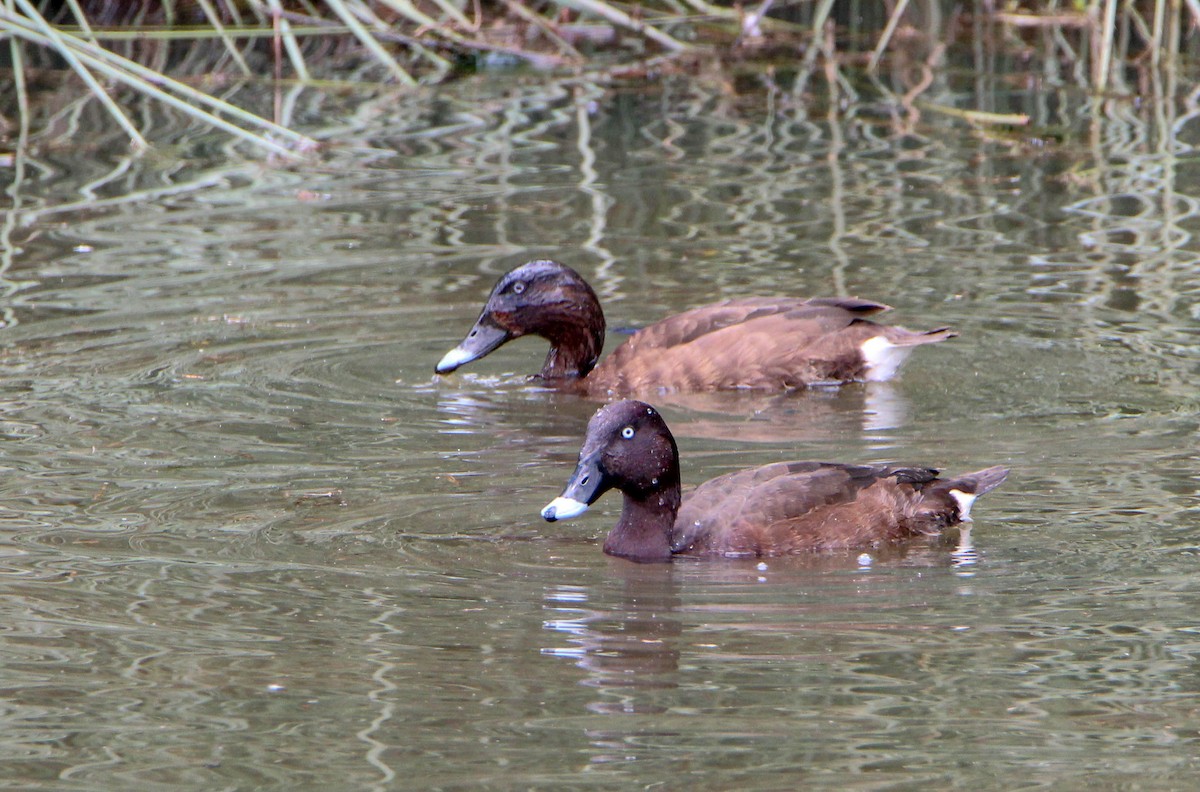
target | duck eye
x=627, y=433
x=518, y=287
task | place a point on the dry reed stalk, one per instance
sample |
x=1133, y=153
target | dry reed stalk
x=408, y=40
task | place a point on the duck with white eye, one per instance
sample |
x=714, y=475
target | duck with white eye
x=777, y=509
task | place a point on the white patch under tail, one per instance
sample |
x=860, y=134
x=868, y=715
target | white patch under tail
x=964, y=501
x=883, y=358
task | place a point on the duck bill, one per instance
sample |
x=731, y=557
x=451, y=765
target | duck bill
x=483, y=339
x=586, y=486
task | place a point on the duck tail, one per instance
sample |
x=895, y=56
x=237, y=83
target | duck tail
x=898, y=336
x=981, y=481
x=962, y=490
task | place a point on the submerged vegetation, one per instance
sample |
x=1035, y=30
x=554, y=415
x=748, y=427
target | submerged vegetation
x=183, y=54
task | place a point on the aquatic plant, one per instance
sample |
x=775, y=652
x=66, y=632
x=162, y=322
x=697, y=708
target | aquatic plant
x=162, y=50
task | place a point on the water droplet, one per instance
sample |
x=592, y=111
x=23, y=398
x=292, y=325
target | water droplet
x=865, y=560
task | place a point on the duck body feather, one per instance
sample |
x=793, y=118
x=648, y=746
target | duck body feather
x=754, y=343
x=805, y=507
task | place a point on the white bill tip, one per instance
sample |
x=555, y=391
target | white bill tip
x=563, y=509
x=453, y=359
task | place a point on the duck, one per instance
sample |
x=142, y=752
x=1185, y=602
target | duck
x=763, y=343
x=778, y=509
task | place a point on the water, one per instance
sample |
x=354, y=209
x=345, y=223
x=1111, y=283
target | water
x=250, y=541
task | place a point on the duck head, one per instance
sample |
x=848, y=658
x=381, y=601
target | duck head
x=628, y=447
x=541, y=298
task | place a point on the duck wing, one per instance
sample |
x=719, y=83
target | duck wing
x=758, y=343
x=795, y=507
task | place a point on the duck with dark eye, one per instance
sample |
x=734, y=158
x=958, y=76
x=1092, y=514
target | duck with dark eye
x=758, y=342
x=778, y=509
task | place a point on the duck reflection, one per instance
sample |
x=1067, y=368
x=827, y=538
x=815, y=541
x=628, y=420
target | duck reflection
x=816, y=415
x=811, y=416
x=630, y=643
x=628, y=651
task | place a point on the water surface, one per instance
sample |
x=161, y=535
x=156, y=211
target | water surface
x=250, y=541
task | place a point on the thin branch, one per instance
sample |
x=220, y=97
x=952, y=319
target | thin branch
x=215, y=20
x=81, y=18
x=370, y=42
x=517, y=7
x=60, y=43
x=148, y=78
x=284, y=30
x=886, y=37
x=144, y=80
x=621, y=19
x=1107, y=30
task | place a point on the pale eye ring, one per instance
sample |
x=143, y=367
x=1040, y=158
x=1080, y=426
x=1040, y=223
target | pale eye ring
x=627, y=433
x=518, y=287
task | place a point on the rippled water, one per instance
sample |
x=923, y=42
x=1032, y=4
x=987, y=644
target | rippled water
x=251, y=542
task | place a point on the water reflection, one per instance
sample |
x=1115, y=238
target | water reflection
x=815, y=416
x=499, y=406
x=228, y=468
x=627, y=650
x=653, y=641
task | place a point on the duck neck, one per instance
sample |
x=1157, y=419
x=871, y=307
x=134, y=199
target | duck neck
x=644, y=531
x=576, y=337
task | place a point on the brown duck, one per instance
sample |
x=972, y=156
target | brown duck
x=777, y=509
x=758, y=342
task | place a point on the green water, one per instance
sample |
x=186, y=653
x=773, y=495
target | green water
x=251, y=542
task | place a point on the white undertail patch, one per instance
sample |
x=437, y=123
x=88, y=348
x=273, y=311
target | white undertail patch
x=964, y=501
x=883, y=358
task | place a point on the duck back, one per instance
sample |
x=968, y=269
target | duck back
x=754, y=343
x=799, y=507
